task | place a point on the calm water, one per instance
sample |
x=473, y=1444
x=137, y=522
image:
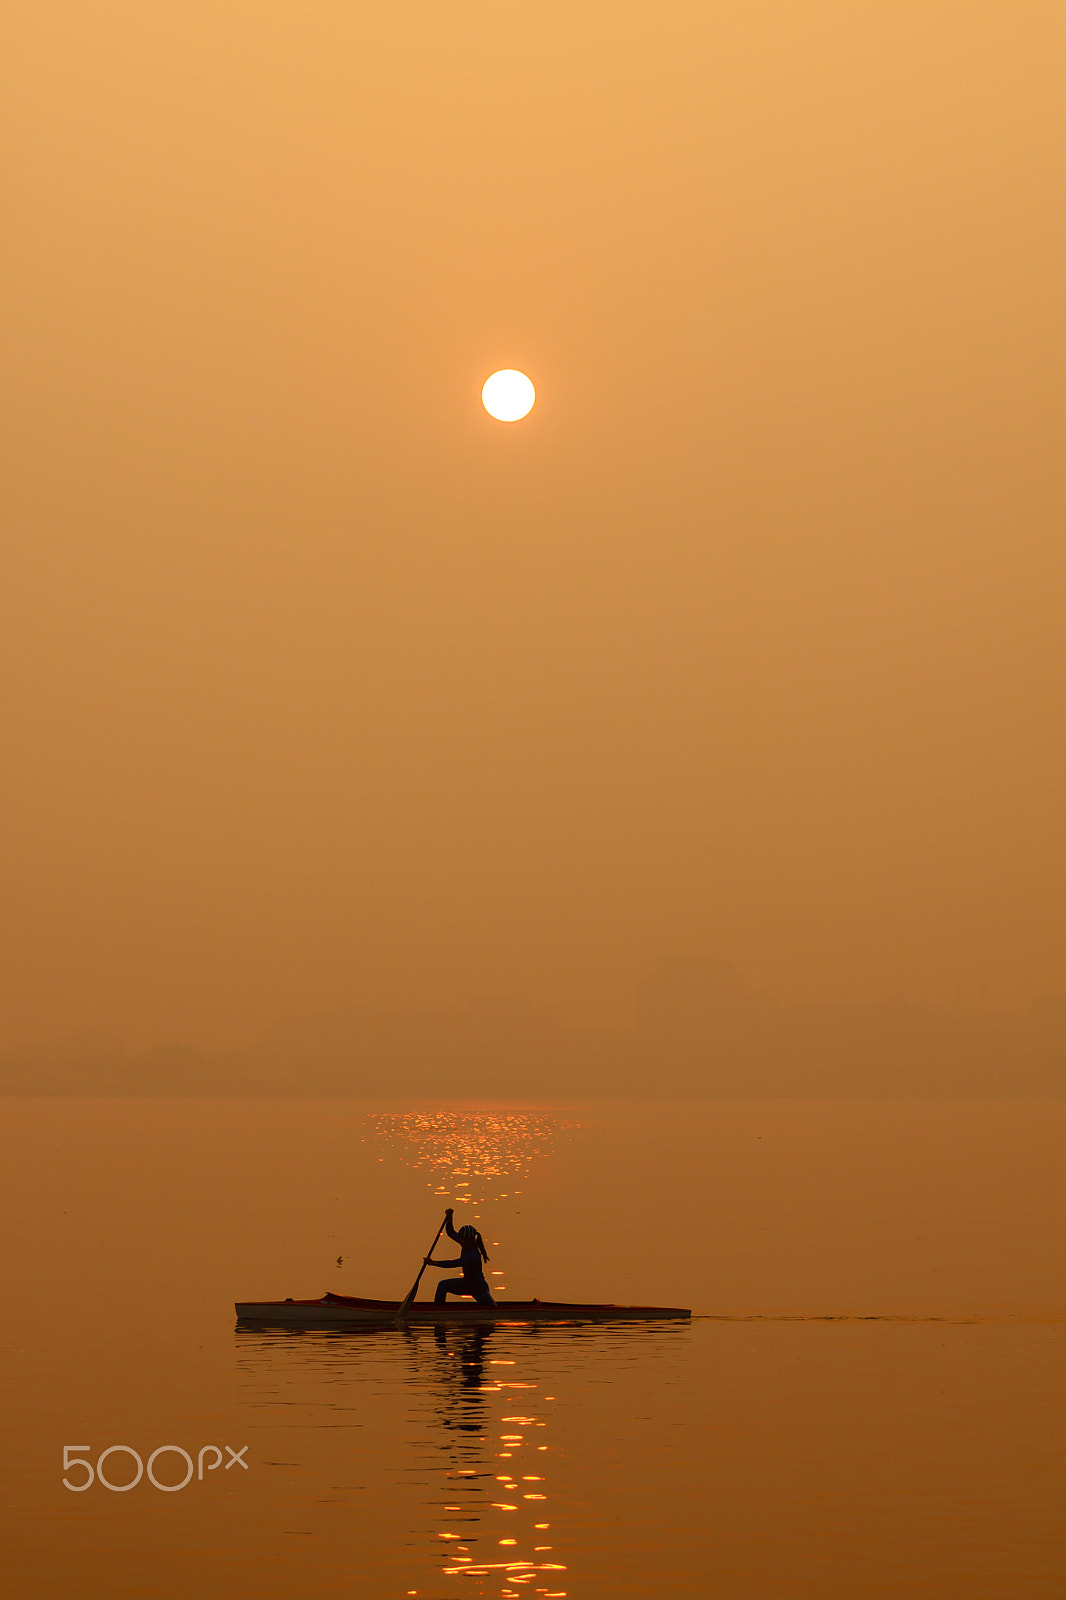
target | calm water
x=870, y=1401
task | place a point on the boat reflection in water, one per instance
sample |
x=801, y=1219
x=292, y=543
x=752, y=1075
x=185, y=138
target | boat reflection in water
x=457, y=1411
x=495, y=1522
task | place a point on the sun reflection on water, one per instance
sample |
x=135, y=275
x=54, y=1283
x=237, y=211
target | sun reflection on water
x=462, y=1369
x=447, y=1435
x=469, y=1155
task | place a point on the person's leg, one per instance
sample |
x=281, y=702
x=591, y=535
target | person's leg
x=448, y=1286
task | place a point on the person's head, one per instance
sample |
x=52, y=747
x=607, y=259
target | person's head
x=469, y=1238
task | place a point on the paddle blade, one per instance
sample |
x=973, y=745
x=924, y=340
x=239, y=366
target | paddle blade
x=414, y=1287
x=408, y=1299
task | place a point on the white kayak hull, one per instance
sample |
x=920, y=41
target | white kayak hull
x=335, y=1310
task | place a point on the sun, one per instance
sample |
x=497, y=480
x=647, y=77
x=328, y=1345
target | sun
x=508, y=395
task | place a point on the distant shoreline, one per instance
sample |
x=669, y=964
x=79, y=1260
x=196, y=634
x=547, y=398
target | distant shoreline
x=736, y=1046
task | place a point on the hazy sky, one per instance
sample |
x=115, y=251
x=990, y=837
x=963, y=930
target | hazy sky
x=320, y=688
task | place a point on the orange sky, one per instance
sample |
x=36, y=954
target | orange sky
x=320, y=688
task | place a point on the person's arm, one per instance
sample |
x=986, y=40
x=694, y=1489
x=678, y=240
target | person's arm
x=430, y=1263
x=449, y=1225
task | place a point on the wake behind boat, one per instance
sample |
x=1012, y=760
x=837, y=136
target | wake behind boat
x=340, y=1310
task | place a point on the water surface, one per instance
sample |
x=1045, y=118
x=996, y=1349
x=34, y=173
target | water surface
x=871, y=1398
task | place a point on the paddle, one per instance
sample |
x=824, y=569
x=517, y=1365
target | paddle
x=414, y=1287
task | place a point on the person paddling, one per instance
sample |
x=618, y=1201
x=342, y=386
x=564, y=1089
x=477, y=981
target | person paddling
x=473, y=1253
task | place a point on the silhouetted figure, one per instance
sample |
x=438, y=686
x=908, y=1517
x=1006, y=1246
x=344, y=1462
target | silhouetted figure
x=473, y=1253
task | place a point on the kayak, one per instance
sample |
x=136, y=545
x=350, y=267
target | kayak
x=340, y=1310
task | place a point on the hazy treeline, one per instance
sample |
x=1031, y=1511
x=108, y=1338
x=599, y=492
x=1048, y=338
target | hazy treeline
x=695, y=1033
